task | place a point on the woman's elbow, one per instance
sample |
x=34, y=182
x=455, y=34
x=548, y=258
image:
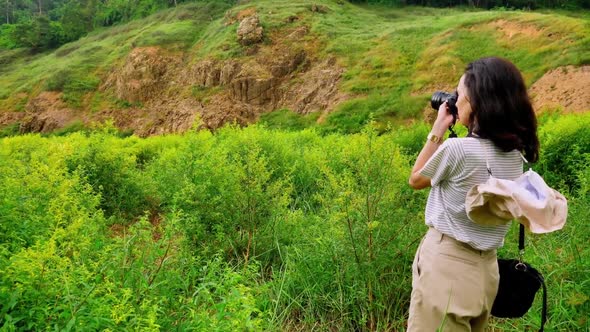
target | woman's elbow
x=412, y=183
x=418, y=181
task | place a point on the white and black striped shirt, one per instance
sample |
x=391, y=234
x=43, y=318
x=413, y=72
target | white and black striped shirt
x=458, y=165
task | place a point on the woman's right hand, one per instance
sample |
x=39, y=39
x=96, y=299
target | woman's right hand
x=444, y=120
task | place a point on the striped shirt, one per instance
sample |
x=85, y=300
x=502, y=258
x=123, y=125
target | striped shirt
x=458, y=165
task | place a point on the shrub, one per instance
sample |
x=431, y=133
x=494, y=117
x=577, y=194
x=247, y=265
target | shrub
x=10, y=130
x=6, y=40
x=565, y=146
x=351, y=244
x=109, y=165
x=37, y=193
x=58, y=80
x=288, y=120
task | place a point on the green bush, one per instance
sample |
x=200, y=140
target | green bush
x=37, y=194
x=6, y=33
x=75, y=126
x=411, y=139
x=351, y=244
x=288, y=120
x=109, y=165
x=565, y=147
x=58, y=80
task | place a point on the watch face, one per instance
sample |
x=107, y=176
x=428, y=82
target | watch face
x=433, y=138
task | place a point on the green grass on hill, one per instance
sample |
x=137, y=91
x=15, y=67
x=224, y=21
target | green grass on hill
x=394, y=65
x=393, y=57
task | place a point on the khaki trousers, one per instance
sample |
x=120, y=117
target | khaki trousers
x=453, y=285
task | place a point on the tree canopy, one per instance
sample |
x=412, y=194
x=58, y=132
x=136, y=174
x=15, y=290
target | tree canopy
x=44, y=24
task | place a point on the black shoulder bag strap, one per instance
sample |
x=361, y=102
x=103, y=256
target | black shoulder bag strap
x=540, y=278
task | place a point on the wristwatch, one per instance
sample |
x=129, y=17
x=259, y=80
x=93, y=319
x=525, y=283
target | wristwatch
x=435, y=139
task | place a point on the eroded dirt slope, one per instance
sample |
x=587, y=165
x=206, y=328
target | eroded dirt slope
x=170, y=92
x=567, y=88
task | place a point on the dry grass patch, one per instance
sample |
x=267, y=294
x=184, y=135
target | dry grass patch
x=511, y=29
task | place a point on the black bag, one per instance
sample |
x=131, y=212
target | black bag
x=519, y=282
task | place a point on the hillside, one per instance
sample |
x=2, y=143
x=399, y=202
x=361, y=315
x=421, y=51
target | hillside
x=329, y=64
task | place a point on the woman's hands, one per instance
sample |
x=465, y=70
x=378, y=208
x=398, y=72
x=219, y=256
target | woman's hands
x=443, y=120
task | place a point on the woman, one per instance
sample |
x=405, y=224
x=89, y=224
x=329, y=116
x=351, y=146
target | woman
x=455, y=273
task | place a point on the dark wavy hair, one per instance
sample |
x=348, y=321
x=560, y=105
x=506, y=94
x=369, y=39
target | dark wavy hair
x=501, y=108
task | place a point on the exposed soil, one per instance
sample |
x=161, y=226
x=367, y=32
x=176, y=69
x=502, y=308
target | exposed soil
x=167, y=92
x=7, y=118
x=565, y=87
x=511, y=29
x=155, y=219
x=142, y=76
x=281, y=74
x=46, y=113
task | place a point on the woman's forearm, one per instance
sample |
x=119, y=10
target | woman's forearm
x=418, y=181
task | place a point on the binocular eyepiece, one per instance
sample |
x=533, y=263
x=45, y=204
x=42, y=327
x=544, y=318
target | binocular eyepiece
x=440, y=97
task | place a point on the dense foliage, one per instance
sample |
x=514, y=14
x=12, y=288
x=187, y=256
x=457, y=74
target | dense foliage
x=44, y=24
x=246, y=229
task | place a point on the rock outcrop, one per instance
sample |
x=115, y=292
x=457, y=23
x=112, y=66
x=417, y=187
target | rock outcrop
x=250, y=31
x=46, y=113
x=209, y=73
x=142, y=75
x=286, y=63
x=254, y=90
x=318, y=90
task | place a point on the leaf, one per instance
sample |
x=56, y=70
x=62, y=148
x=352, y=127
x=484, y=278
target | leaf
x=373, y=225
x=70, y=324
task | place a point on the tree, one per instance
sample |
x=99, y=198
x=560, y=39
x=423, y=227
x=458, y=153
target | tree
x=38, y=33
x=77, y=18
x=7, y=15
x=6, y=39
